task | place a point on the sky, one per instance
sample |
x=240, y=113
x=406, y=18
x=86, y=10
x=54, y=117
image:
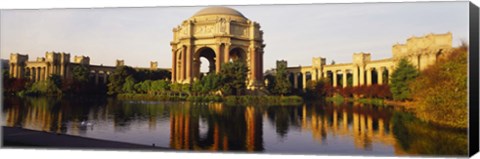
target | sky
x=295, y=33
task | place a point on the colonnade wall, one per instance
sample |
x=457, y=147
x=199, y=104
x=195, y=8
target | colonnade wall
x=419, y=51
x=59, y=64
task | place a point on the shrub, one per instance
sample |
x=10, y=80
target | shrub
x=440, y=92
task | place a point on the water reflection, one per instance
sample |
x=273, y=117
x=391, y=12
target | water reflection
x=216, y=127
x=365, y=125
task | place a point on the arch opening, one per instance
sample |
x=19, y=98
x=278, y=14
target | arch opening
x=237, y=54
x=205, y=60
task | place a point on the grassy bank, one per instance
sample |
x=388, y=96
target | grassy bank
x=229, y=100
x=338, y=99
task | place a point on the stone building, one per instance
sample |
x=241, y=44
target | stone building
x=55, y=63
x=220, y=35
x=419, y=51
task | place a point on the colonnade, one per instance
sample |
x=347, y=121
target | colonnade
x=40, y=73
x=360, y=75
x=100, y=76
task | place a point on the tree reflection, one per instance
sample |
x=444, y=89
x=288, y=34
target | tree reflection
x=417, y=137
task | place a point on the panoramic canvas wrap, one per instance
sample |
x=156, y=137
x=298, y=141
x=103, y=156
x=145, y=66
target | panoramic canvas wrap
x=389, y=79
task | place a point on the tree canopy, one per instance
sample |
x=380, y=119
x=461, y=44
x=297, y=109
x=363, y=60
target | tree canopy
x=401, y=78
x=233, y=77
x=441, y=91
x=80, y=73
x=282, y=85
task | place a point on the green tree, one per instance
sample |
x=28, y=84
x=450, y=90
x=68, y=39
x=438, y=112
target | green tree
x=56, y=80
x=401, y=79
x=197, y=87
x=210, y=83
x=117, y=79
x=80, y=73
x=146, y=86
x=233, y=77
x=129, y=85
x=176, y=87
x=161, y=86
x=282, y=84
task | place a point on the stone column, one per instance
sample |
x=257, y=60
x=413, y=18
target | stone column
x=260, y=73
x=304, y=80
x=183, y=64
x=226, y=52
x=37, y=78
x=62, y=70
x=54, y=69
x=362, y=75
x=295, y=80
x=218, y=58
x=380, y=75
x=32, y=74
x=369, y=76
x=104, y=77
x=50, y=69
x=189, y=63
x=10, y=71
x=174, y=66
x=42, y=74
x=355, y=76
x=17, y=71
x=14, y=71
x=253, y=61
x=334, y=78
x=96, y=77
x=390, y=71
x=344, y=78
x=45, y=70
x=314, y=75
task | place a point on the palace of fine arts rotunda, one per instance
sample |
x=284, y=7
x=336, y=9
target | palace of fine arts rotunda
x=220, y=35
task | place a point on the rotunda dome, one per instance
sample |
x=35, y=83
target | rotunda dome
x=218, y=10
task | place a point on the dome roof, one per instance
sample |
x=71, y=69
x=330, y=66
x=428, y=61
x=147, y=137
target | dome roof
x=218, y=10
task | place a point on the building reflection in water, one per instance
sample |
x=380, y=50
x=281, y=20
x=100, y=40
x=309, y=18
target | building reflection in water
x=363, y=124
x=228, y=128
x=217, y=127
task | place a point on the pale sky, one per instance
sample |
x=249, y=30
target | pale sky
x=295, y=33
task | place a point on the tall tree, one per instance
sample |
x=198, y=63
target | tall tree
x=128, y=86
x=401, y=79
x=282, y=85
x=233, y=77
x=117, y=79
x=80, y=73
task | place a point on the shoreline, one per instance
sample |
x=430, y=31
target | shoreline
x=15, y=137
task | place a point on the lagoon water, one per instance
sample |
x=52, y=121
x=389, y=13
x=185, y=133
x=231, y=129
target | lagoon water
x=312, y=128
